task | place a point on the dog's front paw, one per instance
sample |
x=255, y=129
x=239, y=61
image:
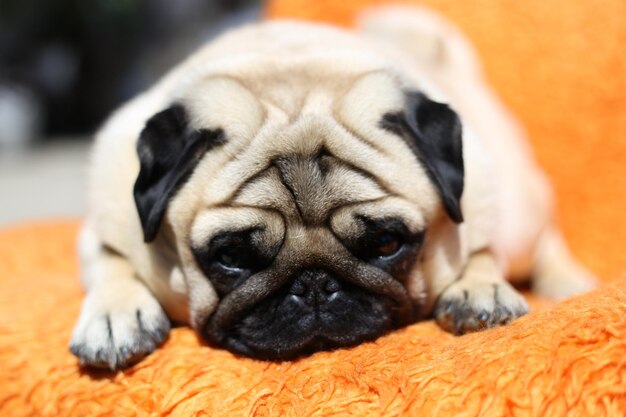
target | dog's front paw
x=469, y=306
x=115, y=333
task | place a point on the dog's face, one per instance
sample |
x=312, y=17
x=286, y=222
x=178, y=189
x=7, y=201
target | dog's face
x=300, y=210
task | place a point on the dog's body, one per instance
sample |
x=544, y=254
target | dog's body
x=266, y=158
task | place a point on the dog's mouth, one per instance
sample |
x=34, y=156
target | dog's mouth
x=315, y=343
x=284, y=326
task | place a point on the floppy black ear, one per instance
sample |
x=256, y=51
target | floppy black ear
x=168, y=152
x=433, y=131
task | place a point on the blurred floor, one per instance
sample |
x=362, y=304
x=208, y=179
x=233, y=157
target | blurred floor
x=45, y=181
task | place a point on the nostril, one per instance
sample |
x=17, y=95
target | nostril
x=332, y=286
x=313, y=284
x=297, y=288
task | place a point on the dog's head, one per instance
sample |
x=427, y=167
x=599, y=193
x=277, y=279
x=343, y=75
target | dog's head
x=300, y=210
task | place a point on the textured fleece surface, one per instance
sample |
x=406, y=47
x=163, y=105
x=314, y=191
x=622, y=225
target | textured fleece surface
x=569, y=356
x=561, y=67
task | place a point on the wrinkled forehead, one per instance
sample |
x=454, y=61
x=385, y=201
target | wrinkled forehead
x=303, y=144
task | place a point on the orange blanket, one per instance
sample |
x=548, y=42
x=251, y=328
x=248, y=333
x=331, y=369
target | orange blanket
x=568, y=356
x=561, y=67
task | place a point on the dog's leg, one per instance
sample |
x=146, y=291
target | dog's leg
x=480, y=298
x=557, y=274
x=120, y=320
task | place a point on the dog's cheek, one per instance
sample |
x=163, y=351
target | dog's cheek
x=416, y=286
x=203, y=298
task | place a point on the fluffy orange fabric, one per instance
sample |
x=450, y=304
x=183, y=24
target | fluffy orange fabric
x=564, y=357
x=561, y=67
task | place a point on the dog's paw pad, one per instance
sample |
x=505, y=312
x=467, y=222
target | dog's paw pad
x=464, y=308
x=118, y=338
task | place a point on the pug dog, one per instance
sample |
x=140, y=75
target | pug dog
x=294, y=187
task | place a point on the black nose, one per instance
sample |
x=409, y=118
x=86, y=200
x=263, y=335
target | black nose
x=314, y=285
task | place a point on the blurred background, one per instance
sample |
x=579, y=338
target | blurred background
x=558, y=65
x=65, y=65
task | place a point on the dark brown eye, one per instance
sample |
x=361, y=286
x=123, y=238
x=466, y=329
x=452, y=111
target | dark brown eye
x=231, y=257
x=387, y=244
x=234, y=251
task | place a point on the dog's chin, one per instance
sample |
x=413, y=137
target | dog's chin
x=282, y=327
